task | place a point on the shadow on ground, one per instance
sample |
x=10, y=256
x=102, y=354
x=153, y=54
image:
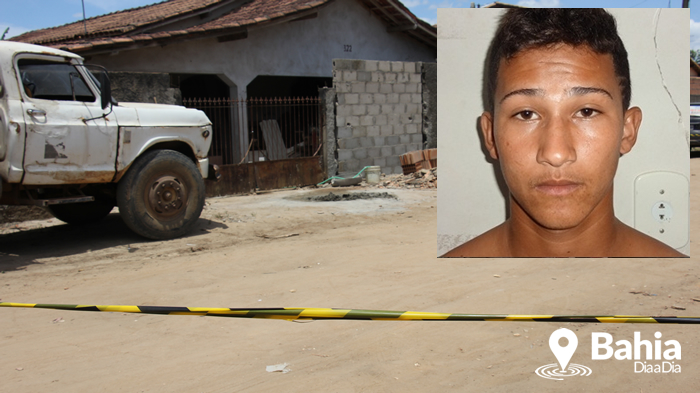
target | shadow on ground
x=26, y=247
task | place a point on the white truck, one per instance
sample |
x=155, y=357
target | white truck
x=66, y=145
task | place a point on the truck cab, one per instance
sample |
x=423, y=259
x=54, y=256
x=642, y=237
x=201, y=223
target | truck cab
x=67, y=145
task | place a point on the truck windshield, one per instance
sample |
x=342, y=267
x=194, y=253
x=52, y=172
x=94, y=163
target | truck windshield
x=53, y=81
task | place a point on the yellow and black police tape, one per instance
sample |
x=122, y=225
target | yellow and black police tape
x=296, y=314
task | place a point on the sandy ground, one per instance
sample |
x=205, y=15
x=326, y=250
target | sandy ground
x=377, y=254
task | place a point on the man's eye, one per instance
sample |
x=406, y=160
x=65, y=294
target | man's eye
x=588, y=112
x=526, y=115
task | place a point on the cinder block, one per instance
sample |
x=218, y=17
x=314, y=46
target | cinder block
x=358, y=87
x=408, y=119
x=392, y=140
x=404, y=139
x=414, y=147
x=359, y=154
x=343, y=87
x=403, y=77
x=386, y=130
x=413, y=109
x=367, y=120
x=347, y=64
x=400, y=108
x=373, y=152
x=344, y=154
x=371, y=65
x=339, y=121
x=363, y=76
x=352, y=165
x=387, y=151
x=379, y=98
x=397, y=168
x=392, y=98
x=411, y=128
x=394, y=119
x=343, y=110
x=373, y=109
x=380, y=120
x=405, y=98
x=349, y=76
x=372, y=87
x=387, y=108
x=415, y=78
x=393, y=161
x=399, y=88
x=341, y=99
x=344, y=132
x=396, y=66
x=377, y=76
x=399, y=149
x=399, y=129
x=350, y=98
x=367, y=161
x=409, y=66
x=386, y=88
x=379, y=141
x=348, y=144
x=352, y=121
x=390, y=77
x=384, y=66
x=358, y=132
x=366, y=98
x=412, y=88
x=381, y=162
x=373, y=131
x=416, y=98
x=359, y=110
x=417, y=138
x=366, y=142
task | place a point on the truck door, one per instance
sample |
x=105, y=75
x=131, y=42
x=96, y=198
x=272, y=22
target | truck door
x=67, y=139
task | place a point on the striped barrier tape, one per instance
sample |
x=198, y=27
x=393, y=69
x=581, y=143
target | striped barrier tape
x=291, y=314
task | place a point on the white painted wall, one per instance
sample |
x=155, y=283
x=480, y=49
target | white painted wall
x=302, y=48
x=470, y=201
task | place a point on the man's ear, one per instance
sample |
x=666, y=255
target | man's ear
x=633, y=119
x=487, y=131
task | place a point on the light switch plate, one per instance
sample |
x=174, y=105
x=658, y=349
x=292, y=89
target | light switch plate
x=661, y=201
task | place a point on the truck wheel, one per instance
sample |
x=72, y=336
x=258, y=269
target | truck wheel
x=82, y=213
x=162, y=195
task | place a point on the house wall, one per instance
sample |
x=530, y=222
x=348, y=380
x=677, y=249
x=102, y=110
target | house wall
x=150, y=87
x=694, y=89
x=300, y=48
x=379, y=113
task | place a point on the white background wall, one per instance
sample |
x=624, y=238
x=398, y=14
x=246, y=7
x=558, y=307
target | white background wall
x=469, y=199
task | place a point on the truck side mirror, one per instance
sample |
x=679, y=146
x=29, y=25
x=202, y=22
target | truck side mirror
x=105, y=90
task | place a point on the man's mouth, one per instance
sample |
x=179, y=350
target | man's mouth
x=557, y=187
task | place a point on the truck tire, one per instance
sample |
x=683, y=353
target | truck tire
x=82, y=213
x=162, y=195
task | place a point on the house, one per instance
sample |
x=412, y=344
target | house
x=235, y=51
x=694, y=81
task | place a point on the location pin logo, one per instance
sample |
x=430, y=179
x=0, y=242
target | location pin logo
x=563, y=354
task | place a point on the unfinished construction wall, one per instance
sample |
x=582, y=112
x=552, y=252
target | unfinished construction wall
x=379, y=113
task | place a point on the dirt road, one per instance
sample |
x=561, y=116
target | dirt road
x=277, y=250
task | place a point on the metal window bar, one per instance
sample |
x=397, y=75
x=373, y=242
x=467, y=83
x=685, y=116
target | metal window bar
x=277, y=128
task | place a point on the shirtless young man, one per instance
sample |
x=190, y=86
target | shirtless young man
x=558, y=120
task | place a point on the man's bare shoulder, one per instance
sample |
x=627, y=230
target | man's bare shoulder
x=487, y=245
x=639, y=245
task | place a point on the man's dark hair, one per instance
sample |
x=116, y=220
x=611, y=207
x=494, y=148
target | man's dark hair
x=523, y=29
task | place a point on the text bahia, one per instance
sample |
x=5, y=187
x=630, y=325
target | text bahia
x=626, y=349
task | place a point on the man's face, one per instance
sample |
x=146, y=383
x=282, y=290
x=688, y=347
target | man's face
x=558, y=130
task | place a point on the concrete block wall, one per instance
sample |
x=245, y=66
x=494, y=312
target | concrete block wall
x=378, y=113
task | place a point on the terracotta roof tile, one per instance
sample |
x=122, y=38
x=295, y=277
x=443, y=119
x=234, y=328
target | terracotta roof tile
x=136, y=21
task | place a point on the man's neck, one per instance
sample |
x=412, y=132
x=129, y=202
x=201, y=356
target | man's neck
x=595, y=236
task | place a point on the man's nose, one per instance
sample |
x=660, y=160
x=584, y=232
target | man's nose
x=556, y=144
